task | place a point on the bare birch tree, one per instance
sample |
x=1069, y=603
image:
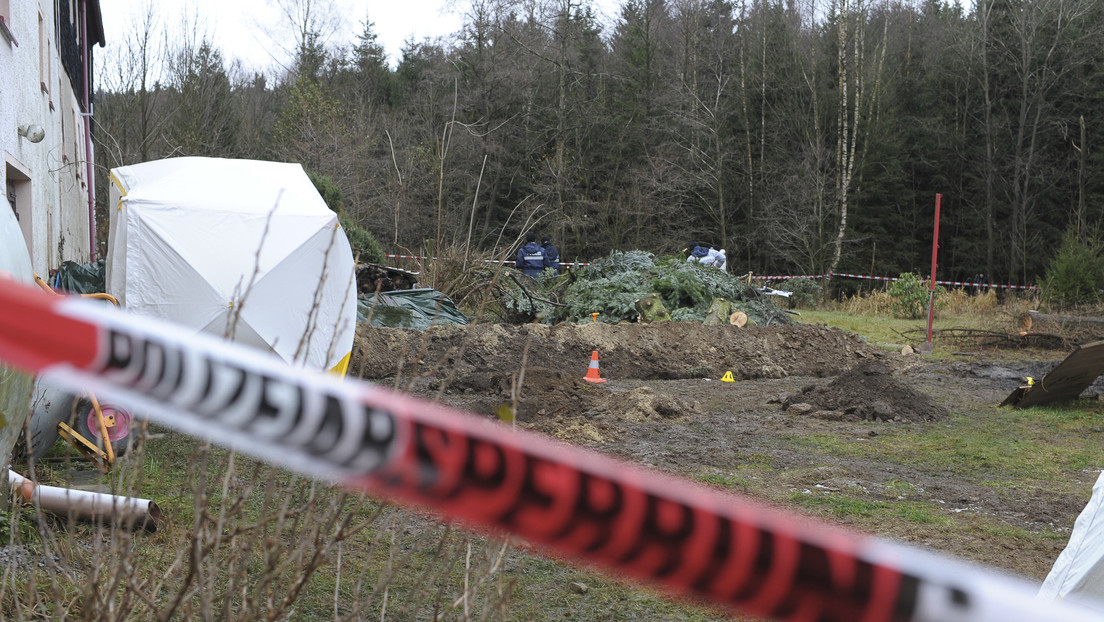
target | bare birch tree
x=859, y=86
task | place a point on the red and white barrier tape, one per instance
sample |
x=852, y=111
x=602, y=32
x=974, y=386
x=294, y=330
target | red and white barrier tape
x=756, y=277
x=687, y=538
x=786, y=277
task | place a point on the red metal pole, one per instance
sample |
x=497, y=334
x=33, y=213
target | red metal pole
x=935, y=252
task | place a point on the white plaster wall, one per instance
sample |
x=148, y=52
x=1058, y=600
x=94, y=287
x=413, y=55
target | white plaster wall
x=59, y=196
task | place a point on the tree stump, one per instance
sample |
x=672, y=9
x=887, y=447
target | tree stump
x=718, y=312
x=651, y=309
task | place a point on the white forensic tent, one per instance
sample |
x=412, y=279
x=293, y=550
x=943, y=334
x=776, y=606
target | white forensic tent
x=243, y=249
x=1078, y=573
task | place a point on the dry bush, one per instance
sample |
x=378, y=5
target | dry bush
x=990, y=309
x=471, y=280
x=958, y=301
x=877, y=302
x=966, y=301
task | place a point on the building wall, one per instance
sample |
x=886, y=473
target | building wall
x=49, y=177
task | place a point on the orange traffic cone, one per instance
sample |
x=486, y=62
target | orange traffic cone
x=592, y=372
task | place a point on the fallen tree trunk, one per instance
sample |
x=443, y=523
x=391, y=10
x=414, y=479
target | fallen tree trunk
x=1072, y=328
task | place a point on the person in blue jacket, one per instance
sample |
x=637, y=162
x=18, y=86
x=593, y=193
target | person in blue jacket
x=551, y=255
x=530, y=257
x=697, y=250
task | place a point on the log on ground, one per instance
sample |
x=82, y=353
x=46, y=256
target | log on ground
x=1073, y=328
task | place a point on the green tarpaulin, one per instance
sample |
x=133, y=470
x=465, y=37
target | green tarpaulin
x=410, y=308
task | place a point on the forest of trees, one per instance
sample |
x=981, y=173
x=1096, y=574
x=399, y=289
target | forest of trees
x=804, y=136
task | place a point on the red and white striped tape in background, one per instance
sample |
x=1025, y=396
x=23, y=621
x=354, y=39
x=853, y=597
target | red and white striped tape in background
x=757, y=277
x=781, y=277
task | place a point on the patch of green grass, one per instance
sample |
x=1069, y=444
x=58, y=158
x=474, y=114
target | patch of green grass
x=844, y=506
x=921, y=513
x=891, y=333
x=19, y=525
x=739, y=480
x=757, y=461
x=1004, y=532
x=744, y=477
x=1000, y=445
x=878, y=330
x=1021, y=453
x=994, y=447
x=544, y=589
x=899, y=488
x=832, y=444
x=838, y=505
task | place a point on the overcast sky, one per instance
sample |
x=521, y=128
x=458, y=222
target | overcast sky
x=241, y=28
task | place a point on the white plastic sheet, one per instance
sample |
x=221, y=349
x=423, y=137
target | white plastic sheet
x=1078, y=573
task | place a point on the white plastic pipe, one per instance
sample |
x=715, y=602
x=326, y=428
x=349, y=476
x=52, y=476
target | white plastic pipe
x=87, y=505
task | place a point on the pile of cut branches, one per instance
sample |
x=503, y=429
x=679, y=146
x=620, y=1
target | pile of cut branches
x=612, y=285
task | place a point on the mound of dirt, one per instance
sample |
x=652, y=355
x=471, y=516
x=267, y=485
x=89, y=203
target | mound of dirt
x=537, y=370
x=866, y=392
x=594, y=414
x=482, y=357
x=644, y=404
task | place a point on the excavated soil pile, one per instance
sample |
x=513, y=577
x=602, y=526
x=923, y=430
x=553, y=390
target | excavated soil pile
x=479, y=367
x=482, y=357
x=865, y=393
